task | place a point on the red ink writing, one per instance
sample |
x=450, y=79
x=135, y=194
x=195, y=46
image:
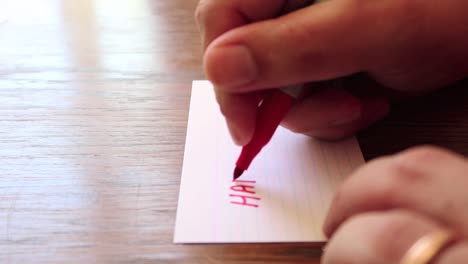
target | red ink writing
x=244, y=194
x=242, y=188
x=244, y=200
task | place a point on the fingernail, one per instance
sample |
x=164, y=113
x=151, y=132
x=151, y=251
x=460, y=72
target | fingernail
x=230, y=66
x=350, y=112
x=235, y=135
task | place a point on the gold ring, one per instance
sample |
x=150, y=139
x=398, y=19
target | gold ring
x=427, y=247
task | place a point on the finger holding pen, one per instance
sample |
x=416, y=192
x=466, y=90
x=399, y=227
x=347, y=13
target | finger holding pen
x=264, y=39
x=393, y=43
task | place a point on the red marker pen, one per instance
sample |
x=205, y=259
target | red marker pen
x=271, y=112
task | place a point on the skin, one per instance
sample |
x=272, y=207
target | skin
x=377, y=49
x=396, y=45
x=393, y=201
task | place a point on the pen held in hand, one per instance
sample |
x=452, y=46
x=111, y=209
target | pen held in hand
x=271, y=112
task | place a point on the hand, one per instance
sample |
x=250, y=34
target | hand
x=409, y=46
x=389, y=203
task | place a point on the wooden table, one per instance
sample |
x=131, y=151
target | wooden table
x=93, y=110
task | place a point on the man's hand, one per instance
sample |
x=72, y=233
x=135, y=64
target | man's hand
x=390, y=203
x=409, y=46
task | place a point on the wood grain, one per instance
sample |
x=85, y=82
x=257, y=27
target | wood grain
x=93, y=109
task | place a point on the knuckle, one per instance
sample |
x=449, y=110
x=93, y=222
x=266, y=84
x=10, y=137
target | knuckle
x=424, y=155
x=292, y=123
x=402, y=171
x=299, y=124
x=416, y=162
x=297, y=127
x=411, y=165
x=386, y=187
x=390, y=189
x=408, y=168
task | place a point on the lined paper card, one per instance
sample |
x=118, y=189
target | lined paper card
x=283, y=197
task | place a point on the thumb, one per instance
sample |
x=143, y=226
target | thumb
x=323, y=41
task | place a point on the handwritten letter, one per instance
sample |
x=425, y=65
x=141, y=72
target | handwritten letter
x=283, y=197
x=243, y=193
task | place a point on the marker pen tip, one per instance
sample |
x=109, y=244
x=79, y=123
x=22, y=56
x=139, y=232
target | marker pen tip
x=237, y=173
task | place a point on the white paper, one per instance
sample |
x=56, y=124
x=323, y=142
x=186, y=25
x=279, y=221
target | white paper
x=295, y=177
